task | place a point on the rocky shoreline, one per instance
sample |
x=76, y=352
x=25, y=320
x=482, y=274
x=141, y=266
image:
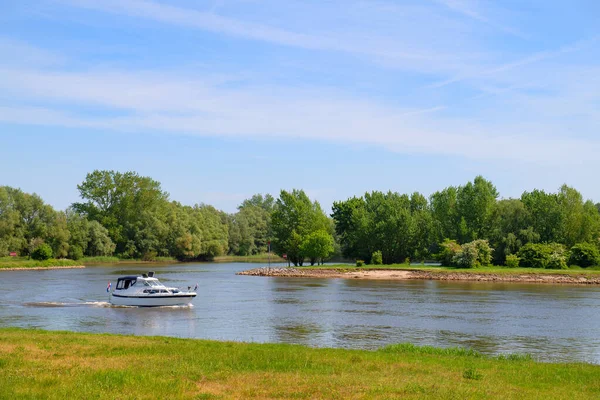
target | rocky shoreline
x=398, y=274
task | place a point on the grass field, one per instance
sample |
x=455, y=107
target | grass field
x=58, y=365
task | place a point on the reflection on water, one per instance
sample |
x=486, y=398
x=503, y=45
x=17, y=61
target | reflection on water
x=551, y=322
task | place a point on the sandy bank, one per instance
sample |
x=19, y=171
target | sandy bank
x=398, y=274
x=40, y=268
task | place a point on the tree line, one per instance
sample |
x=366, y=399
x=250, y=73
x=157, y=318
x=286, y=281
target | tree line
x=130, y=216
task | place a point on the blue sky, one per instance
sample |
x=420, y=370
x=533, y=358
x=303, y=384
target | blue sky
x=222, y=99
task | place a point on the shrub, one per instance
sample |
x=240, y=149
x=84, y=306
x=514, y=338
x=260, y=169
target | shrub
x=512, y=261
x=448, y=249
x=360, y=263
x=466, y=257
x=538, y=255
x=473, y=254
x=584, y=255
x=377, y=258
x=42, y=252
x=557, y=261
x=75, y=253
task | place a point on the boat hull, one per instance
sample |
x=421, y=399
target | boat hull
x=155, y=300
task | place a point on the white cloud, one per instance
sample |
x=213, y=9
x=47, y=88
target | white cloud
x=155, y=102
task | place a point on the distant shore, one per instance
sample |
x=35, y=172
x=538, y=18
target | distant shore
x=416, y=274
x=41, y=268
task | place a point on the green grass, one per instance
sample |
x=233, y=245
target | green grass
x=497, y=270
x=56, y=365
x=12, y=262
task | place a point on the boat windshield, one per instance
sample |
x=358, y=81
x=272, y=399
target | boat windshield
x=153, y=283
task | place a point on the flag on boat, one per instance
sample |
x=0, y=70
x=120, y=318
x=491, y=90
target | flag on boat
x=195, y=287
x=108, y=287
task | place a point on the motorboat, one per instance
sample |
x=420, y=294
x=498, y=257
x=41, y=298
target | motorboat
x=147, y=291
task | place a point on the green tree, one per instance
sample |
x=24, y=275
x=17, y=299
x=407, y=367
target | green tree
x=131, y=207
x=475, y=207
x=444, y=210
x=293, y=219
x=98, y=241
x=317, y=246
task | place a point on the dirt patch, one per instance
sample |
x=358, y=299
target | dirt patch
x=383, y=274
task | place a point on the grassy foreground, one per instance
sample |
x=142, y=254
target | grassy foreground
x=496, y=270
x=57, y=365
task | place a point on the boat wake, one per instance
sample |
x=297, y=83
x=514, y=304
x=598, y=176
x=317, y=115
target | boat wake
x=67, y=304
x=101, y=304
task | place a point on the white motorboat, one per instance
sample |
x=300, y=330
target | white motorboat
x=147, y=291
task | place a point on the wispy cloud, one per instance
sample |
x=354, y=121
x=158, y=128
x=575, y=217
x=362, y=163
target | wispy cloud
x=469, y=9
x=517, y=123
x=156, y=102
x=395, y=40
x=524, y=61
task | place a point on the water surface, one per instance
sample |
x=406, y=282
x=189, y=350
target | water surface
x=551, y=322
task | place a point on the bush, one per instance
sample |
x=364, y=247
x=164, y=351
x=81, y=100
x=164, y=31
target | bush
x=473, y=254
x=449, y=249
x=75, y=253
x=42, y=252
x=360, y=263
x=557, y=261
x=512, y=261
x=584, y=255
x=466, y=257
x=538, y=255
x=377, y=258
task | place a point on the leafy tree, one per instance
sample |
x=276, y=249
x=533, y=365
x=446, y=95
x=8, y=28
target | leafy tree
x=444, y=210
x=98, y=241
x=317, y=246
x=25, y=219
x=294, y=218
x=250, y=227
x=544, y=214
x=475, y=206
x=508, y=229
x=131, y=207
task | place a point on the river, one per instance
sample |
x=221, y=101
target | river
x=550, y=322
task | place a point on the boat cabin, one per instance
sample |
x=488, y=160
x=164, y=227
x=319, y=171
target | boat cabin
x=126, y=282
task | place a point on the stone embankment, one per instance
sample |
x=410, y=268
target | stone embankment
x=397, y=274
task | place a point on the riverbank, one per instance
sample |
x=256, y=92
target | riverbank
x=480, y=275
x=44, y=364
x=25, y=264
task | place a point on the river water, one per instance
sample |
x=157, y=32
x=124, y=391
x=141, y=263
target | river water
x=550, y=322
